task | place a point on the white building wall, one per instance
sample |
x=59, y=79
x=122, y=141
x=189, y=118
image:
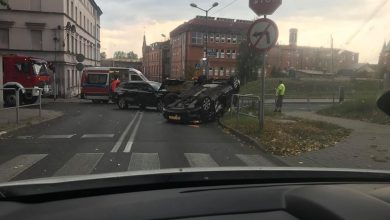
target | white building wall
x=51, y=19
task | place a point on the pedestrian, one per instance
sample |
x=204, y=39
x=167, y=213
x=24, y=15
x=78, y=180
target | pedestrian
x=280, y=92
x=114, y=84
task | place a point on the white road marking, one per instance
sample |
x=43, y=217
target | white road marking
x=201, y=160
x=2, y=133
x=57, y=136
x=132, y=137
x=254, y=160
x=80, y=164
x=143, y=161
x=98, y=136
x=120, y=140
x=17, y=165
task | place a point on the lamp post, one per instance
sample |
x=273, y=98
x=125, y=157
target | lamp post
x=207, y=33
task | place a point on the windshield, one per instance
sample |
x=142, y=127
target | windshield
x=250, y=83
x=40, y=69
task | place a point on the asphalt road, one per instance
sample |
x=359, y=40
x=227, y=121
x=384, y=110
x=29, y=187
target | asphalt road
x=91, y=139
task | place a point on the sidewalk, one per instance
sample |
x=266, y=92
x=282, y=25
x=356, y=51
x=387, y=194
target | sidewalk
x=368, y=146
x=61, y=100
x=27, y=117
x=299, y=101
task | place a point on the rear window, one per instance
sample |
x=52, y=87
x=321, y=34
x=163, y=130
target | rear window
x=97, y=79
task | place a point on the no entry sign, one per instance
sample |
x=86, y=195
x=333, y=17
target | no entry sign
x=264, y=7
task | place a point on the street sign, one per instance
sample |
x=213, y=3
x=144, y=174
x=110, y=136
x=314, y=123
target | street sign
x=264, y=7
x=263, y=34
x=80, y=67
x=197, y=66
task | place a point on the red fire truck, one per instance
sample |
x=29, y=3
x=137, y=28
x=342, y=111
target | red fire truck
x=24, y=74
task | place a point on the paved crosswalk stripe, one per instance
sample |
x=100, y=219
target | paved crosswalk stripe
x=132, y=137
x=98, y=136
x=56, y=136
x=80, y=164
x=17, y=165
x=141, y=161
x=254, y=160
x=201, y=160
x=121, y=139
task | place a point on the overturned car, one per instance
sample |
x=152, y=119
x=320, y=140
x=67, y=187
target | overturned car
x=203, y=102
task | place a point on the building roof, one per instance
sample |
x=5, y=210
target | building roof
x=100, y=12
x=212, y=24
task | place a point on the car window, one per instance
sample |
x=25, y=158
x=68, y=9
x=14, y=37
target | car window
x=97, y=79
x=135, y=78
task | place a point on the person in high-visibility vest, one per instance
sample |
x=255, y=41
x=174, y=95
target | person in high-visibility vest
x=280, y=92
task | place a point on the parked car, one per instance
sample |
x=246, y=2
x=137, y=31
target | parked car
x=204, y=102
x=140, y=93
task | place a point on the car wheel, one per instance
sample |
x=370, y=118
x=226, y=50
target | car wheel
x=160, y=106
x=208, y=110
x=122, y=104
x=30, y=100
x=10, y=98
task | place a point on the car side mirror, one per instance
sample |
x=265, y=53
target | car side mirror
x=383, y=103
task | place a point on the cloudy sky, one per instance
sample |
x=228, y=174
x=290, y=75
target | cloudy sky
x=357, y=25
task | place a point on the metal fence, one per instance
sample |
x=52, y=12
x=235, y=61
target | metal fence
x=247, y=106
x=18, y=106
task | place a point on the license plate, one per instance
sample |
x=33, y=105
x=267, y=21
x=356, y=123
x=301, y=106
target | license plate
x=174, y=117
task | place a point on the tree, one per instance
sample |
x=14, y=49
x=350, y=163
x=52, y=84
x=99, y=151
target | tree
x=103, y=55
x=5, y=4
x=119, y=55
x=132, y=56
x=248, y=63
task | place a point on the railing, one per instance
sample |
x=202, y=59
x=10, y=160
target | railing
x=18, y=98
x=248, y=106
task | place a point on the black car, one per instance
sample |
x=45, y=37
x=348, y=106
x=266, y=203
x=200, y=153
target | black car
x=142, y=94
x=203, y=102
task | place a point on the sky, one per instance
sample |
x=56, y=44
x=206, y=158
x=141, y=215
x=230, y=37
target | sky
x=357, y=25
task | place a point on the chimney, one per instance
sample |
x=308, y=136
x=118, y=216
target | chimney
x=293, y=37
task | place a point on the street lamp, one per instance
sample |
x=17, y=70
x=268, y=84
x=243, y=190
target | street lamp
x=207, y=32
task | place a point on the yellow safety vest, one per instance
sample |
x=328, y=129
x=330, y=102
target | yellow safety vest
x=281, y=89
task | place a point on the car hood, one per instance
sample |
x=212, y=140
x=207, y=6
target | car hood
x=188, y=177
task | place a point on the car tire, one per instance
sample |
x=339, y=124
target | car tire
x=208, y=110
x=10, y=98
x=30, y=100
x=122, y=104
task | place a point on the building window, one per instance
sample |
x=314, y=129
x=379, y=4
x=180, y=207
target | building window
x=221, y=70
x=68, y=79
x=84, y=22
x=229, y=39
x=81, y=17
x=3, y=6
x=67, y=7
x=72, y=48
x=233, y=71
x=234, y=41
x=35, y=5
x=197, y=38
x=223, y=38
x=80, y=50
x=222, y=53
x=4, y=38
x=75, y=45
x=234, y=55
x=217, y=38
x=228, y=54
x=71, y=10
x=36, y=39
x=77, y=13
x=212, y=38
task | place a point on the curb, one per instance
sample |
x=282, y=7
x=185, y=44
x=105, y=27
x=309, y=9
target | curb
x=253, y=142
x=34, y=122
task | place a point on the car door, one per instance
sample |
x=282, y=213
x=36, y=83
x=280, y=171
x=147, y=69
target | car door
x=147, y=95
x=130, y=92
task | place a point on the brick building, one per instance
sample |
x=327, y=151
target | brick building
x=156, y=60
x=225, y=35
x=188, y=44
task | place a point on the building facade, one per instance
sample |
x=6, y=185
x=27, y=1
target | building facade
x=188, y=46
x=55, y=30
x=188, y=42
x=156, y=60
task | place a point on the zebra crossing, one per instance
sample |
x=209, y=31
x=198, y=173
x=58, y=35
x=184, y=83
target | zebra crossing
x=86, y=163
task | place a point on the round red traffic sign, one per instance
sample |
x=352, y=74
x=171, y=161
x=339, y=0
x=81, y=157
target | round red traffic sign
x=263, y=34
x=264, y=7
